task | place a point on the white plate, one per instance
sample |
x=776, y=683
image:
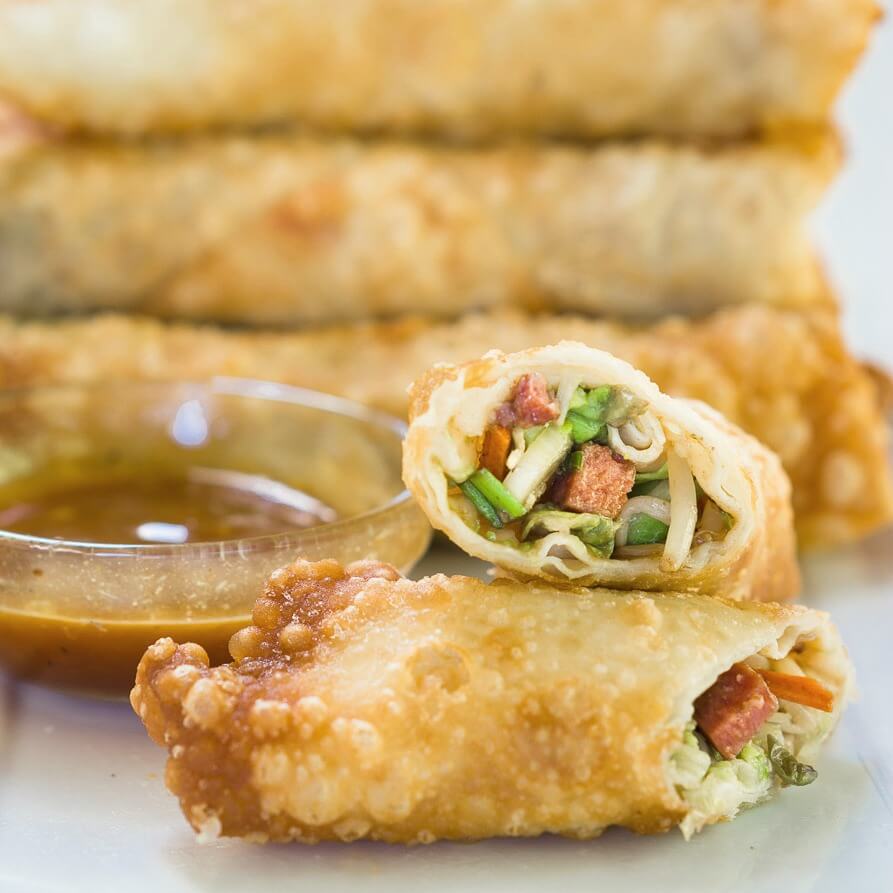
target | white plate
x=83, y=805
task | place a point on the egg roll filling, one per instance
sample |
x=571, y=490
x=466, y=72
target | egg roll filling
x=750, y=732
x=588, y=467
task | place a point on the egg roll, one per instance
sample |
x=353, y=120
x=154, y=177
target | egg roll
x=360, y=704
x=456, y=68
x=566, y=462
x=785, y=377
x=284, y=229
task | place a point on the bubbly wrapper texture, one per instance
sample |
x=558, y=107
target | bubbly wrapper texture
x=359, y=704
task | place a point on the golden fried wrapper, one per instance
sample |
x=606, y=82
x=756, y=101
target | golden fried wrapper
x=457, y=68
x=363, y=705
x=282, y=229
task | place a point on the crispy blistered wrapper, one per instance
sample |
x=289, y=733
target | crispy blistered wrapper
x=364, y=705
x=460, y=68
x=451, y=407
x=279, y=229
x=784, y=377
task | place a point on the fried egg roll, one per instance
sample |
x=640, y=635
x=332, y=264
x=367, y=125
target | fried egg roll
x=780, y=375
x=566, y=462
x=363, y=705
x=455, y=68
x=286, y=230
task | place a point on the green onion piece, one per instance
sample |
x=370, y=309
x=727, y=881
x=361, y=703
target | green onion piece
x=476, y=498
x=643, y=530
x=575, y=460
x=787, y=767
x=496, y=494
x=582, y=427
x=659, y=474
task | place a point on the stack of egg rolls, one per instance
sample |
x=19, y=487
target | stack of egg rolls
x=281, y=165
x=783, y=376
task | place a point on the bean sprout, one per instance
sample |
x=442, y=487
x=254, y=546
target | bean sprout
x=640, y=440
x=683, y=512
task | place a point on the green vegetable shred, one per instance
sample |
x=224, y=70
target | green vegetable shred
x=496, y=494
x=599, y=538
x=596, y=531
x=591, y=411
x=477, y=499
x=643, y=530
x=574, y=461
x=583, y=427
x=659, y=474
x=787, y=767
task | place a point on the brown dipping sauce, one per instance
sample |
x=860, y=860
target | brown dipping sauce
x=203, y=505
x=134, y=507
x=99, y=657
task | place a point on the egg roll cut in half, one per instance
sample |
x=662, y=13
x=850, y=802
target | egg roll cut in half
x=566, y=462
x=364, y=705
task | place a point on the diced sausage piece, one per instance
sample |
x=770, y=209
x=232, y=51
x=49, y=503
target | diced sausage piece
x=732, y=710
x=532, y=403
x=505, y=416
x=600, y=486
x=495, y=450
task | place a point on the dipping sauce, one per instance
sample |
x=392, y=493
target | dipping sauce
x=99, y=657
x=199, y=505
x=135, y=510
x=142, y=506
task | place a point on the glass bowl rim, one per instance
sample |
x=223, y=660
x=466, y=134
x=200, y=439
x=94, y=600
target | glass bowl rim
x=225, y=385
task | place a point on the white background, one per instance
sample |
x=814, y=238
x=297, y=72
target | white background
x=83, y=807
x=854, y=225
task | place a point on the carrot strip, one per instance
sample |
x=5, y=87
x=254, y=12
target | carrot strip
x=495, y=450
x=800, y=689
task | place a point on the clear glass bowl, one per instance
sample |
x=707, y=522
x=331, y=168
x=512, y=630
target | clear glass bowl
x=79, y=615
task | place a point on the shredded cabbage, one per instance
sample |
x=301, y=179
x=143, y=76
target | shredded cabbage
x=716, y=788
x=689, y=763
x=596, y=531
